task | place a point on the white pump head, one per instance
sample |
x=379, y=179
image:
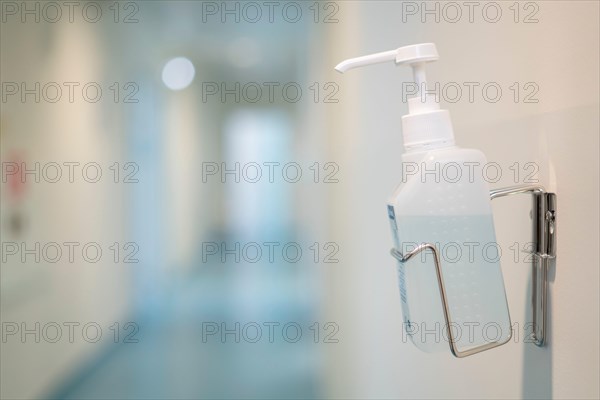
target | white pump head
x=425, y=123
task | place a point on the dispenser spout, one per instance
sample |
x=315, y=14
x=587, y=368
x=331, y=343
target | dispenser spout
x=415, y=55
x=363, y=61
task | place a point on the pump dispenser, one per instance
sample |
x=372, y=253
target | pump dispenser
x=425, y=123
x=443, y=198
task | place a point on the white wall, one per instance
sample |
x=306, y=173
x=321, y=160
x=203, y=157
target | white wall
x=59, y=212
x=559, y=133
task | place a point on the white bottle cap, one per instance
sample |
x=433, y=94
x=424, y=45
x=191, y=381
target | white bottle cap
x=425, y=123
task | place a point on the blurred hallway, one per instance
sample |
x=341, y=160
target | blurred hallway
x=163, y=218
x=175, y=358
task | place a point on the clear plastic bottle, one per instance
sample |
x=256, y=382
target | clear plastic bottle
x=443, y=199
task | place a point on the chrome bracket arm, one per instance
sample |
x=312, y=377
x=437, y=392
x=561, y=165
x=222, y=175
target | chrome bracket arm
x=543, y=216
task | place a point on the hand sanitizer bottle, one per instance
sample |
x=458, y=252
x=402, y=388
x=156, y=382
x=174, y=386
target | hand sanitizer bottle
x=443, y=199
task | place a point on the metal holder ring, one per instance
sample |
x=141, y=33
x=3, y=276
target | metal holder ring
x=544, y=240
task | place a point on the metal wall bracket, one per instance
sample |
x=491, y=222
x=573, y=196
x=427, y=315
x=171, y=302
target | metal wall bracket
x=543, y=216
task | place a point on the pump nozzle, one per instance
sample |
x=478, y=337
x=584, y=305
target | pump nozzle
x=415, y=55
x=425, y=122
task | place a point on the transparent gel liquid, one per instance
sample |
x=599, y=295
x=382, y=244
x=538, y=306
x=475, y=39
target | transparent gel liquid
x=472, y=277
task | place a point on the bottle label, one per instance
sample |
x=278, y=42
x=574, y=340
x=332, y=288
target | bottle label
x=401, y=276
